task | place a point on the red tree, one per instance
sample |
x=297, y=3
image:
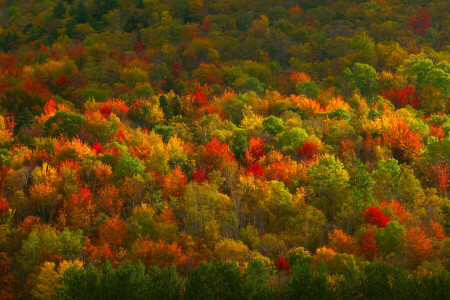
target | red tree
x=282, y=264
x=369, y=246
x=374, y=216
x=216, y=154
x=308, y=150
x=402, y=97
x=420, y=24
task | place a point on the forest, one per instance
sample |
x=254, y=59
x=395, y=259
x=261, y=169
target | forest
x=224, y=149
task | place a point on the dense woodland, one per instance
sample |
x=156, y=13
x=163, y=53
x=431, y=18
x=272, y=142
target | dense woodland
x=224, y=149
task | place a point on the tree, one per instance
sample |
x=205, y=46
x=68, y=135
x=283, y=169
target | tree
x=307, y=88
x=128, y=166
x=306, y=284
x=64, y=122
x=363, y=77
x=293, y=137
x=420, y=24
x=273, y=125
x=374, y=216
x=255, y=280
x=391, y=239
x=329, y=179
x=214, y=281
x=59, y=10
x=239, y=144
x=7, y=279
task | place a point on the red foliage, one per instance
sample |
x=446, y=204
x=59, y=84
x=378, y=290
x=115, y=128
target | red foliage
x=420, y=24
x=206, y=25
x=282, y=264
x=177, y=68
x=105, y=111
x=255, y=150
x=63, y=80
x=97, y=147
x=8, y=63
x=254, y=169
x=215, y=154
x=50, y=107
x=199, y=97
x=402, y=97
x=138, y=47
x=347, y=145
x=4, y=206
x=374, y=216
x=437, y=131
x=200, y=176
x=308, y=150
x=68, y=163
x=369, y=246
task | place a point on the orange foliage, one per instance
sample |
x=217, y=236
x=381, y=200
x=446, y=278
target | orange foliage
x=102, y=254
x=297, y=77
x=342, y=243
x=323, y=254
x=337, y=103
x=166, y=216
x=440, y=172
x=436, y=131
x=78, y=210
x=108, y=200
x=305, y=105
x=418, y=245
x=173, y=183
x=113, y=232
x=436, y=231
x=405, y=144
x=159, y=254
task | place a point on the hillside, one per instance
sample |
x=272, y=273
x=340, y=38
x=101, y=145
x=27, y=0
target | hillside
x=187, y=149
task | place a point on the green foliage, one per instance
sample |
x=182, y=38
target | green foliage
x=306, y=284
x=391, y=239
x=64, y=123
x=128, y=166
x=363, y=77
x=165, y=131
x=293, y=137
x=215, y=281
x=239, y=144
x=307, y=88
x=273, y=125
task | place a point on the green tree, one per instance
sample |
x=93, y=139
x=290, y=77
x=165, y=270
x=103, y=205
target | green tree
x=363, y=77
x=292, y=137
x=59, y=10
x=214, y=281
x=329, y=179
x=306, y=284
x=128, y=166
x=273, y=125
x=307, y=88
x=64, y=122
